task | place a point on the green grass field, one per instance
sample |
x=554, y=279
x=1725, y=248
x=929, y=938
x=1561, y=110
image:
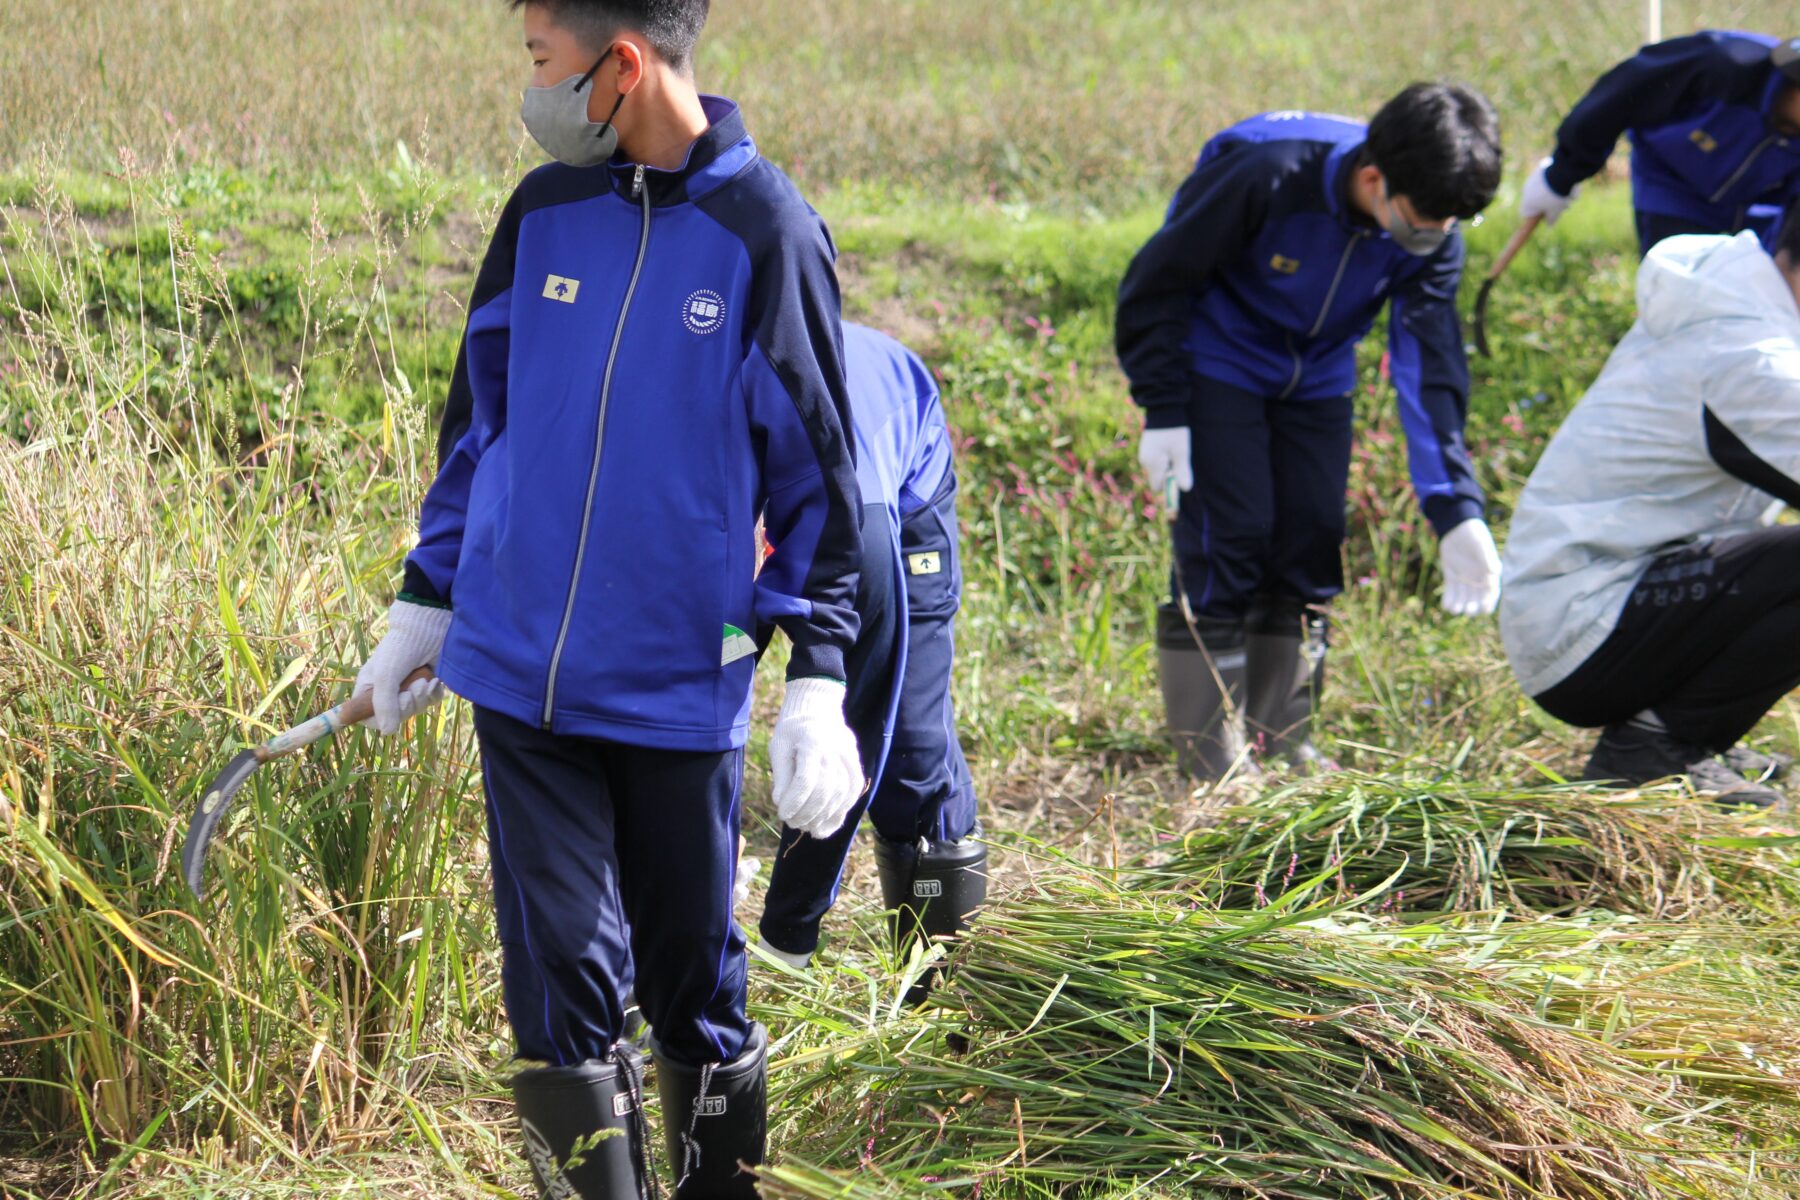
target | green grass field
x=235, y=243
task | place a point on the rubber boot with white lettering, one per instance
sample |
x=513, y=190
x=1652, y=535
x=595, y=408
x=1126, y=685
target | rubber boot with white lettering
x=933, y=890
x=584, y=1128
x=715, y=1121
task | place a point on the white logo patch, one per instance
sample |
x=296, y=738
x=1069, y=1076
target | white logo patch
x=738, y=645
x=926, y=889
x=710, y=1106
x=929, y=563
x=558, y=288
x=703, y=312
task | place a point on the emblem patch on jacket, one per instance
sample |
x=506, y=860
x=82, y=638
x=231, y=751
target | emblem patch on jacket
x=703, y=312
x=738, y=644
x=929, y=563
x=1284, y=264
x=1704, y=140
x=556, y=287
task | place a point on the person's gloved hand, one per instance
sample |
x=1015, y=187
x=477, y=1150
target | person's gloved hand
x=818, y=773
x=415, y=638
x=1167, y=456
x=748, y=868
x=1542, y=200
x=1471, y=569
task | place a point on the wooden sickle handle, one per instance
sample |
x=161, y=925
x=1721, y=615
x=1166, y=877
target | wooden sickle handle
x=1519, y=238
x=353, y=711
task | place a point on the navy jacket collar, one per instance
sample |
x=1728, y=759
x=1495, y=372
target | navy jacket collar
x=1338, y=166
x=715, y=156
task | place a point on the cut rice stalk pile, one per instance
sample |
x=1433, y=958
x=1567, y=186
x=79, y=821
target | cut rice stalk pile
x=1126, y=1039
x=1659, y=853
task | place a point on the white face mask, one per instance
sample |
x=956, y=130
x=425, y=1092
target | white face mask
x=556, y=118
x=1409, y=237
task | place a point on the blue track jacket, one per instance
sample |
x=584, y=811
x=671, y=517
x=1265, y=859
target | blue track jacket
x=903, y=448
x=653, y=359
x=1703, y=148
x=903, y=458
x=1263, y=278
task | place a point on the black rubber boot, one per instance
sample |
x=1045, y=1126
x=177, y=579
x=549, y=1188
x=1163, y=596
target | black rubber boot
x=1284, y=675
x=715, y=1121
x=584, y=1128
x=1633, y=754
x=933, y=889
x=1203, y=693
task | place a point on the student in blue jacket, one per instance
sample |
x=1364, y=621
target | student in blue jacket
x=1714, y=123
x=653, y=358
x=922, y=801
x=1238, y=324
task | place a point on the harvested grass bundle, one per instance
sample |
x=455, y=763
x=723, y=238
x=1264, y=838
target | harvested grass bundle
x=1133, y=1040
x=1659, y=853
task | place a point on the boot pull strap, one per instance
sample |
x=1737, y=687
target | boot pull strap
x=690, y=1140
x=640, y=1127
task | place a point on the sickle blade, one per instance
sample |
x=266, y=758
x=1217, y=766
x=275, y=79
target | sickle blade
x=205, y=823
x=1481, y=307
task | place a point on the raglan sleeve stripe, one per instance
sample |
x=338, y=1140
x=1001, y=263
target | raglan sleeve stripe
x=474, y=415
x=1215, y=214
x=800, y=421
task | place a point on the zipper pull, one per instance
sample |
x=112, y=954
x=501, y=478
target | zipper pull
x=637, y=182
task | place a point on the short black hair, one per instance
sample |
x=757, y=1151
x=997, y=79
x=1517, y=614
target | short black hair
x=1438, y=144
x=672, y=27
x=1788, y=240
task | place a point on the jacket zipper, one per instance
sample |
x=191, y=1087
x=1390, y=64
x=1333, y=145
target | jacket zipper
x=638, y=192
x=1738, y=174
x=1337, y=281
x=1294, y=380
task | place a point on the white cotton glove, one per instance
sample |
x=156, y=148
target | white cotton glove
x=415, y=638
x=748, y=868
x=1167, y=458
x=1471, y=569
x=818, y=774
x=1542, y=200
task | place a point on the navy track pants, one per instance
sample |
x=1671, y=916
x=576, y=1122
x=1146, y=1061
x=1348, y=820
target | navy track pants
x=924, y=790
x=1266, y=513
x=604, y=856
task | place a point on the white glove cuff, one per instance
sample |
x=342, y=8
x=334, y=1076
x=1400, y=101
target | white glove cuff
x=418, y=631
x=811, y=698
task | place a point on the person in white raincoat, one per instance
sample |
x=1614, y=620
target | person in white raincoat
x=1642, y=591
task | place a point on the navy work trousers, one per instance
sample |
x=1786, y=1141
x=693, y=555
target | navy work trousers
x=1709, y=640
x=1266, y=513
x=924, y=789
x=604, y=856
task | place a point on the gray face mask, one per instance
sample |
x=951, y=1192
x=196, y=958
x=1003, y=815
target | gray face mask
x=1409, y=237
x=556, y=118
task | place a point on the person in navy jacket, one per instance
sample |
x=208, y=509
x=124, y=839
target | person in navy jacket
x=653, y=361
x=921, y=802
x=1714, y=124
x=1238, y=324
